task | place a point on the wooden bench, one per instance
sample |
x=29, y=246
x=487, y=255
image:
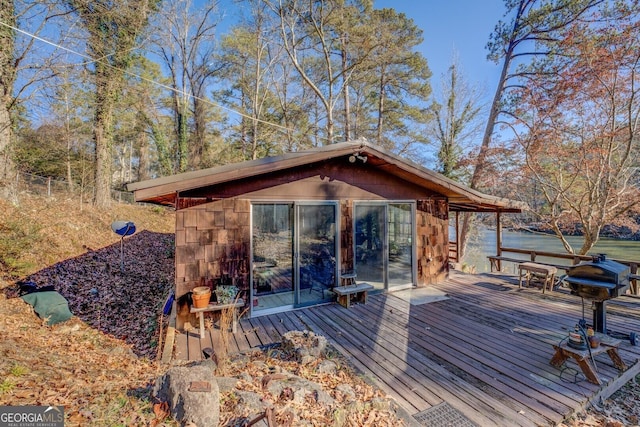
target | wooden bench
x=212, y=307
x=583, y=357
x=495, y=261
x=358, y=292
x=547, y=273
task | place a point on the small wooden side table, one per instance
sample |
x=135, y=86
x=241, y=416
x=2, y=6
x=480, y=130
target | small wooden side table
x=347, y=279
x=218, y=307
x=359, y=292
x=583, y=357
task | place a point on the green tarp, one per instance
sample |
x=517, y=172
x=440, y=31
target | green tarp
x=50, y=306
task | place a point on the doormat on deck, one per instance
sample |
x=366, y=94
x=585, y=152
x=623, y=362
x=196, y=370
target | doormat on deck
x=419, y=296
x=443, y=415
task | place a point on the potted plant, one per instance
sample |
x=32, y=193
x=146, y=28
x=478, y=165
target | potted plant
x=226, y=294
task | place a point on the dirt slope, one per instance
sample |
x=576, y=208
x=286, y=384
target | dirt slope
x=100, y=364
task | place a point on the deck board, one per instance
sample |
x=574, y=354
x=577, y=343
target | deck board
x=249, y=331
x=485, y=351
x=421, y=374
x=391, y=371
x=519, y=349
x=425, y=371
x=475, y=353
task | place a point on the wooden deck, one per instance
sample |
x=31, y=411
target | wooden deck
x=485, y=351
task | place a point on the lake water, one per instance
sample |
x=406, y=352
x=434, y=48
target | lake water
x=484, y=244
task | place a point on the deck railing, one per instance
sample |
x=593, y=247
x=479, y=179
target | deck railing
x=567, y=260
x=453, y=252
x=560, y=260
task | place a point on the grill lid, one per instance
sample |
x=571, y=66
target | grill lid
x=599, y=279
x=601, y=270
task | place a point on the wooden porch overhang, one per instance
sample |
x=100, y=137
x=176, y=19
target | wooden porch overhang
x=485, y=351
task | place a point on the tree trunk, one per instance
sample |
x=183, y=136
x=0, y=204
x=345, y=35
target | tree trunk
x=144, y=165
x=102, y=135
x=7, y=80
x=480, y=163
x=345, y=92
x=196, y=148
x=380, y=109
x=6, y=164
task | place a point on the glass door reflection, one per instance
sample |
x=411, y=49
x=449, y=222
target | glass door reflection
x=369, y=244
x=400, y=253
x=316, y=252
x=272, y=261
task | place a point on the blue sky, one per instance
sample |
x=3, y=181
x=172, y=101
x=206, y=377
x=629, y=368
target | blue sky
x=460, y=25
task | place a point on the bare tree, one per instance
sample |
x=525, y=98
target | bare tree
x=113, y=29
x=185, y=35
x=581, y=116
x=248, y=57
x=307, y=28
x=456, y=109
x=532, y=31
x=23, y=56
x=7, y=80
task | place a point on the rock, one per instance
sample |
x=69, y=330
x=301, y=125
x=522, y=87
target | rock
x=250, y=403
x=356, y=406
x=299, y=395
x=327, y=367
x=226, y=384
x=201, y=408
x=347, y=391
x=241, y=359
x=304, y=345
x=340, y=416
x=245, y=376
x=299, y=387
x=382, y=404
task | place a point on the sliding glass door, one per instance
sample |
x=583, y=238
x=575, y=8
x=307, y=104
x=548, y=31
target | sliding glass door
x=369, y=244
x=273, y=255
x=293, y=254
x=317, y=252
x=400, y=249
x=383, y=244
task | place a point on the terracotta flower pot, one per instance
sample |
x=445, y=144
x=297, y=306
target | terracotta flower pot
x=201, y=296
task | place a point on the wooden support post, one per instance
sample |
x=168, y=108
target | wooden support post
x=498, y=240
x=457, y=236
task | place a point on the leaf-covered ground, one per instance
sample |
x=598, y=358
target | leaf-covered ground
x=100, y=365
x=119, y=296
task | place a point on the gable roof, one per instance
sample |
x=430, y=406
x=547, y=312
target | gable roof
x=165, y=190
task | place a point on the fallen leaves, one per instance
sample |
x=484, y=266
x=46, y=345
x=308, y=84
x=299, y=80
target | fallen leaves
x=257, y=370
x=161, y=411
x=124, y=303
x=84, y=364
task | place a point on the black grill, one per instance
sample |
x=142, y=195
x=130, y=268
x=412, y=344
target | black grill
x=599, y=280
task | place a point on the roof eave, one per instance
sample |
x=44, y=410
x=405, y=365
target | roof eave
x=165, y=190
